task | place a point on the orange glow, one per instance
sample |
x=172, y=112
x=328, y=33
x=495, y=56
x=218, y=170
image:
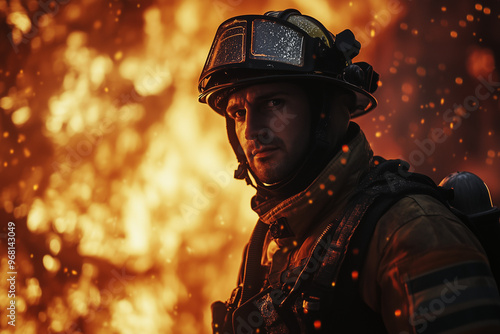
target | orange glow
x=421, y=71
x=407, y=88
x=397, y=313
x=481, y=62
x=317, y=324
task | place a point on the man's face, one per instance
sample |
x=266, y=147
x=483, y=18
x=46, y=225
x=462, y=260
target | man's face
x=273, y=125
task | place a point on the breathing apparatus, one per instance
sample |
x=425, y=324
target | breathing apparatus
x=285, y=46
x=471, y=196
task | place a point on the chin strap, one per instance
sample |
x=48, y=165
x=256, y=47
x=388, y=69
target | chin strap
x=241, y=173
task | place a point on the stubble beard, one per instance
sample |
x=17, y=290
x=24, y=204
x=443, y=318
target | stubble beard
x=269, y=171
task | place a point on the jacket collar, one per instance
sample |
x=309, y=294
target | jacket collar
x=291, y=219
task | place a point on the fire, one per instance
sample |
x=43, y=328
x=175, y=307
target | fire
x=120, y=183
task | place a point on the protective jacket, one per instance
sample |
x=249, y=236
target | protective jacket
x=424, y=270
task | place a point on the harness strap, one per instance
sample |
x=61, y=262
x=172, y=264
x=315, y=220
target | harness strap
x=382, y=188
x=253, y=273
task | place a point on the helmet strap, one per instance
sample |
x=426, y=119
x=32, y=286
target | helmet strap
x=241, y=173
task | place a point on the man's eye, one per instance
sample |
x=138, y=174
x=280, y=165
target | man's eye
x=238, y=114
x=274, y=103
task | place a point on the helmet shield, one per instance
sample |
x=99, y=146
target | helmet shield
x=278, y=43
x=229, y=45
x=257, y=42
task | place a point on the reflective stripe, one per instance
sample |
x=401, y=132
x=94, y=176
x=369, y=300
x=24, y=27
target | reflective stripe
x=458, y=296
x=451, y=295
x=460, y=271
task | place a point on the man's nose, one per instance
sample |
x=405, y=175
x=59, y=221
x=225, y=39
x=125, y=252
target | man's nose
x=255, y=123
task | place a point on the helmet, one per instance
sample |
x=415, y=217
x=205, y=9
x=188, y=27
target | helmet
x=283, y=45
x=471, y=195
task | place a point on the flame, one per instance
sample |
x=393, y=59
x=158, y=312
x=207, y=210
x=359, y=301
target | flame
x=119, y=182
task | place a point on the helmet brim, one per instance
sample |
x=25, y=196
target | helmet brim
x=365, y=101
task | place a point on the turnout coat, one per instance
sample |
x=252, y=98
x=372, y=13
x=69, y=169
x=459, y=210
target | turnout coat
x=422, y=270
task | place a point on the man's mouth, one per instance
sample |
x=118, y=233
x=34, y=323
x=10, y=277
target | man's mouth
x=263, y=151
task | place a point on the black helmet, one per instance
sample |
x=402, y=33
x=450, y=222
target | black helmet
x=283, y=45
x=471, y=195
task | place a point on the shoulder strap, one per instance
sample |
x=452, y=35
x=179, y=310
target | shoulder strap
x=252, y=269
x=382, y=187
x=250, y=278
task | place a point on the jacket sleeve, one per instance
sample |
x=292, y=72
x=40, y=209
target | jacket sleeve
x=426, y=272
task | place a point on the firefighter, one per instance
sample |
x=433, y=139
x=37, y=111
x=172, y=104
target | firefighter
x=346, y=242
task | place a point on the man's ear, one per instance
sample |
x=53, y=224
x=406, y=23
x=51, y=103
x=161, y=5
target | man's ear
x=346, y=97
x=340, y=116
